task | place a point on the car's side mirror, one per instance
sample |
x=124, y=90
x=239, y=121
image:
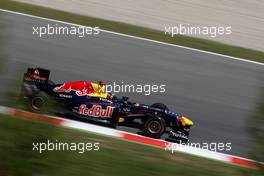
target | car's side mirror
x=114, y=98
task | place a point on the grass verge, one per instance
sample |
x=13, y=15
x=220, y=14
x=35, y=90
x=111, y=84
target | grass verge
x=257, y=130
x=202, y=44
x=115, y=157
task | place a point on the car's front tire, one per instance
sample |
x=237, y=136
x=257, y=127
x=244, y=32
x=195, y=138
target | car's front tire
x=154, y=127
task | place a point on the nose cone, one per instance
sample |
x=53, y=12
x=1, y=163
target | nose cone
x=186, y=121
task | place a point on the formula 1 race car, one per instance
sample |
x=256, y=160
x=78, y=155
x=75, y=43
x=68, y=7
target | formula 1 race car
x=153, y=120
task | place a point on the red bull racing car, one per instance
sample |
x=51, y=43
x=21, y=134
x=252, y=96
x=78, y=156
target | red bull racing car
x=87, y=100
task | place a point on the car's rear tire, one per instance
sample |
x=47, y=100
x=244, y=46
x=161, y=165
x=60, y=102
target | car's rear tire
x=160, y=106
x=38, y=102
x=154, y=127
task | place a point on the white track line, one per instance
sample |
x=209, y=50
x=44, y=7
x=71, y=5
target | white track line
x=139, y=38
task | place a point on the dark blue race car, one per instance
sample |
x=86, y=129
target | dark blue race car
x=152, y=120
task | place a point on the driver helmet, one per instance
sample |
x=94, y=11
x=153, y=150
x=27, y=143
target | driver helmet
x=102, y=83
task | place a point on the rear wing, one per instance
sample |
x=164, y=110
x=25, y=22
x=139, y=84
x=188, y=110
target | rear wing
x=37, y=75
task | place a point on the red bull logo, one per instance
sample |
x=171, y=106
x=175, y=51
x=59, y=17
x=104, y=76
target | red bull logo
x=96, y=111
x=81, y=88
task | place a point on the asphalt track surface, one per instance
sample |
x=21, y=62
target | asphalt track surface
x=219, y=94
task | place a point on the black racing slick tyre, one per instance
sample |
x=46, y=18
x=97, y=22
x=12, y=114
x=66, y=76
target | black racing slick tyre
x=160, y=106
x=38, y=102
x=154, y=127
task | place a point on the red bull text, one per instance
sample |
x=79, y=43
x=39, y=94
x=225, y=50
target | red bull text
x=96, y=111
